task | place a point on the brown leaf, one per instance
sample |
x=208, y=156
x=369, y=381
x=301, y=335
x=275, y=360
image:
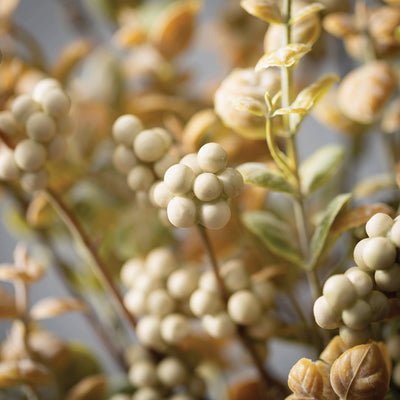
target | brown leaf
x=361, y=373
x=52, y=307
x=335, y=348
x=359, y=216
x=325, y=369
x=8, y=307
x=90, y=388
x=305, y=381
x=267, y=10
x=39, y=213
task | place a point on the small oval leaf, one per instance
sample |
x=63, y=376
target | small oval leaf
x=266, y=10
x=250, y=105
x=312, y=8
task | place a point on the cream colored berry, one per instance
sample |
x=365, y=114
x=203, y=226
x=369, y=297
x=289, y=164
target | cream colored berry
x=353, y=337
x=235, y=275
x=379, y=253
x=325, y=316
x=160, y=262
x=396, y=374
x=160, y=195
x=232, y=182
x=264, y=328
x=379, y=225
x=34, y=181
x=159, y=302
x=147, y=283
x=43, y=86
x=40, y=127
x=147, y=393
x=136, y=353
x=136, y=302
x=181, y=396
x=388, y=280
x=124, y=159
x=361, y=281
x=182, y=212
x=358, y=254
x=143, y=373
x=175, y=328
x=120, y=396
x=149, y=145
x=190, y=160
x=394, y=234
x=23, y=107
x=219, y=325
x=163, y=217
x=339, y=292
x=8, y=167
x=171, y=372
x=393, y=346
x=126, y=128
x=161, y=166
x=30, y=155
x=57, y=148
x=203, y=302
x=8, y=124
x=179, y=179
x=379, y=304
x=215, y=215
x=244, y=307
x=264, y=290
x=207, y=187
x=207, y=281
x=55, y=103
x=212, y=157
x=183, y=282
x=130, y=270
x=166, y=136
x=358, y=316
x=148, y=331
x=140, y=177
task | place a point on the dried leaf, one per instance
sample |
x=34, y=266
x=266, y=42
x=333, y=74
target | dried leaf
x=129, y=36
x=306, y=11
x=335, y=348
x=90, y=388
x=361, y=373
x=260, y=175
x=320, y=167
x=340, y=24
x=320, y=236
x=8, y=309
x=324, y=369
x=286, y=56
x=250, y=105
x=305, y=381
x=52, y=307
x=39, y=213
x=291, y=110
x=373, y=185
x=274, y=233
x=267, y=10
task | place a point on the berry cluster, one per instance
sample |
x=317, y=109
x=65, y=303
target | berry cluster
x=158, y=292
x=198, y=189
x=348, y=300
x=393, y=346
x=248, y=305
x=141, y=155
x=39, y=123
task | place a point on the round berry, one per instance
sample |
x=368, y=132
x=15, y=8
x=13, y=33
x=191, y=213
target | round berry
x=33, y=181
x=43, y=86
x=126, y=128
x=57, y=148
x=8, y=125
x=171, y=372
x=182, y=212
x=160, y=195
x=215, y=215
x=30, y=155
x=212, y=157
x=379, y=253
x=379, y=304
x=378, y=225
x=207, y=187
x=40, y=127
x=146, y=283
x=148, y=332
x=244, y=307
x=23, y=107
x=130, y=270
x=394, y=234
x=161, y=166
x=219, y=325
x=396, y=374
x=235, y=275
x=190, y=160
x=179, y=179
x=136, y=352
x=264, y=290
x=203, y=302
x=135, y=302
x=324, y=314
x=165, y=135
x=160, y=262
x=149, y=145
x=124, y=159
x=160, y=302
x=361, y=281
x=393, y=346
x=232, y=182
x=8, y=167
x=140, y=178
x=208, y=282
x=55, y=103
x=358, y=254
x=147, y=393
x=143, y=373
x=175, y=328
x=358, y=316
x=339, y=292
x=388, y=280
x=264, y=328
x=182, y=282
x=353, y=337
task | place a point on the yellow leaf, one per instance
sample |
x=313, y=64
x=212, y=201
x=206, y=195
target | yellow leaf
x=267, y=10
x=52, y=307
x=306, y=11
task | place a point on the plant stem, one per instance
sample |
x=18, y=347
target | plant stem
x=99, y=267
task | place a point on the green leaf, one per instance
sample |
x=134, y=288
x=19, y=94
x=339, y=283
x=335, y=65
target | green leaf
x=290, y=110
x=258, y=174
x=250, y=105
x=320, y=167
x=373, y=185
x=274, y=233
x=306, y=11
x=320, y=237
x=286, y=56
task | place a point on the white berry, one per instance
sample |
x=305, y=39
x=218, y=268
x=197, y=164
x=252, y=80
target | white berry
x=182, y=212
x=244, y=307
x=212, y=157
x=125, y=128
x=215, y=215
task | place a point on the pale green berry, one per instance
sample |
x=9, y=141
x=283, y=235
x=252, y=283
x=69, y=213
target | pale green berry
x=135, y=353
x=40, y=127
x=208, y=282
x=124, y=159
x=57, y=148
x=34, y=181
x=358, y=316
x=212, y=157
x=264, y=328
x=393, y=346
x=30, y=155
x=182, y=212
x=394, y=234
x=160, y=195
x=379, y=225
x=361, y=281
x=358, y=254
x=8, y=167
x=325, y=316
x=8, y=124
x=171, y=372
x=232, y=182
x=175, y=328
x=148, y=332
x=190, y=160
x=126, y=128
x=143, y=373
x=23, y=107
x=135, y=302
x=339, y=292
x=388, y=280
x=203, y=302
x=147, y=393
x=166, y=136
x=235, y=275
x=130, y=270
x=215, y=215
x=379, y=304
x=207, y=187
x=379, y=253
x=179, y=179
x=43, y=86
x=161, y=166
x=244, y=307
x=146, y=283
x=159, y=302
x=56, y=103
x=160, y=262
x=140, y=177
x=353, y=337
x=219, y=325
x=149, y=145
x=183, y=282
